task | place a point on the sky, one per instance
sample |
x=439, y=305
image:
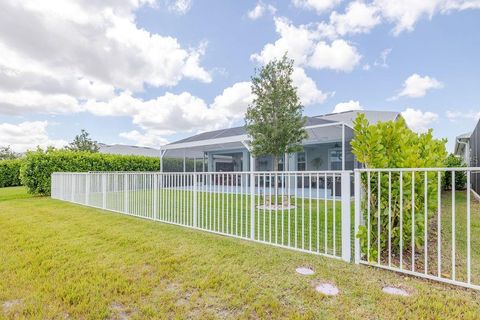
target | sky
x=149, y=72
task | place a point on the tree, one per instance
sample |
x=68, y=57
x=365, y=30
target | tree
x=274, y=120
x=392, y=144
x=7, y=154
x=453, y=161
x=83, y=142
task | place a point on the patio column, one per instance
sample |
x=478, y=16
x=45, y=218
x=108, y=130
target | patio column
x=245, y=165
x=210, y=162
x=343, y=146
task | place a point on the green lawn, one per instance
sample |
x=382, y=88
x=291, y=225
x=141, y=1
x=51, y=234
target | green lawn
x=309, y=225
x=60, y=260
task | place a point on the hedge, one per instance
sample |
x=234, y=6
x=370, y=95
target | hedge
x=39, y=165
x=10, y=173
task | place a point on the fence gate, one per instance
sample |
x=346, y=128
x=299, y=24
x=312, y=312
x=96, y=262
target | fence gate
x=422, y=222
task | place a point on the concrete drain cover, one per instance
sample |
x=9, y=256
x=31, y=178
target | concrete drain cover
x=305, y=271
x=396, y=291
x=327, y=289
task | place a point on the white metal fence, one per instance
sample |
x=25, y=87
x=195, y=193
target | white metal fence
x=422, y=222
x=305, y=211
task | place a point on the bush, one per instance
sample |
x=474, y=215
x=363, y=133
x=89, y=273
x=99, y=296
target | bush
x=453, y=161
x=10, y=173
x=39, y=165
x=393, y=145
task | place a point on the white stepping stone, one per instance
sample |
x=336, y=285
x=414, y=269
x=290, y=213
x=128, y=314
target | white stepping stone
x=305, y=271
x=327, y=289
x=396, y=291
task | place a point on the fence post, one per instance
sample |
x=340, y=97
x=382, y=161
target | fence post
x=155, y=195
x=104, y=190
x=87, y=188
x=346, y=220
x=125, y=193
x=357, y=214
x=252, y=197
x=195, y=200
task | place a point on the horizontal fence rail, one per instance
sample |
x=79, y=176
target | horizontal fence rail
x=423, y=222
x=304, y=211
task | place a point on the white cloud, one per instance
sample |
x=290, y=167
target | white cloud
x=23, y=102
x=303, y=45
x=174, y=113
x=406, y=13
x=317, y=5
x=27, y=136
x=259, y=10
x=347, y=106
x=358, y=18
x=147, y=139
x=339, y=55
x=179, y=6
x=382, y=61
x=419, y=121
x=457, y=115
x=233, y=101
x=307, y=89
x=361, y=17
x=79, y=50
x=417, y=86
x=297, y=41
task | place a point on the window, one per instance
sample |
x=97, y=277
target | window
x=335, y=159
x=301, y=161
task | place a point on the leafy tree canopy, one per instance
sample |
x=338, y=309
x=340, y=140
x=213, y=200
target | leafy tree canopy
x=6, y=153
x=274, y=120
x=392, y=144
x=83, y=142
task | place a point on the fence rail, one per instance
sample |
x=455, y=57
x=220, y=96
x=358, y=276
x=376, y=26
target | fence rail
x=304, y=211
x=422, y=222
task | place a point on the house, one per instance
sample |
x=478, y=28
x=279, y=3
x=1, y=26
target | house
x=128, y=150
x=467, y=146
x=326, y=148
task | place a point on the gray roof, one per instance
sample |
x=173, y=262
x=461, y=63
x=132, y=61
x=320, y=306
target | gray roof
x=236, y=131
x=128, y=150
x=373, y=117
x=466, y=135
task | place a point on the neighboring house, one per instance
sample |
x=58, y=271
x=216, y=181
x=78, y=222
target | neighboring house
x=467, y=146
x=128, y=150
x=326, y=148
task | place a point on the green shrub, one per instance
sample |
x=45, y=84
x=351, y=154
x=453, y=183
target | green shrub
x=453, y=161
x=39, y=165
x=10, y=173
x=393, y=145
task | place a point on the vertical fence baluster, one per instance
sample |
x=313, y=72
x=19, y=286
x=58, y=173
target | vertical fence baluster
x=469, y=262
x=439, y=225
x=389, y=218
x=358, y=211
x=368, y=215
x=379, y=217
x=413, y=220
x=425, y=240
x=453, y=226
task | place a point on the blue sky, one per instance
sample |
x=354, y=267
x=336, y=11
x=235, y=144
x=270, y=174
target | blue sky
x=148, y=72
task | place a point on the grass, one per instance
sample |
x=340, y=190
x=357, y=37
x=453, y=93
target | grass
x=61, y=260
x=308, y=225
